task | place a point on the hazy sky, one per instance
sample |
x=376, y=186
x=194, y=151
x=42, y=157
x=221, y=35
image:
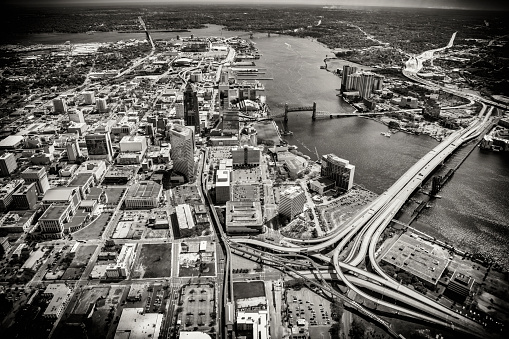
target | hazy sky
x=469, y=4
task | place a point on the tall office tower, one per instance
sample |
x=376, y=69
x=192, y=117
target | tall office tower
x=89, y=97
x=99, y=145
x=347, y=70
x=76, y=115
x=223, y=186
x=102, y=105
x=246, y=156
x=26, y=197
x=73, y=150
x=339, y=170
x=7, y=164
x=366, y=86
x=38, y=175
x=191, y=110
x=182, y=150
x=291, y=202
x=59, y=105
x=179, y=110
x=231, y=123
x=378, y=83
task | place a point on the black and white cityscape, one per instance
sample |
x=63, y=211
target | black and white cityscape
x=245, y=169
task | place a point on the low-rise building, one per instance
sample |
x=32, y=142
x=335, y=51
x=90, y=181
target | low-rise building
x=321, y=185
x=7, y=192
x=143, y=195
x=253, y=324
x=184, y=216
x=124, y=262
x=244, y=217
x=59, y=294
x=17, y=221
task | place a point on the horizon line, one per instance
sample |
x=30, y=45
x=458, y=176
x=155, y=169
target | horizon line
x=56, y=3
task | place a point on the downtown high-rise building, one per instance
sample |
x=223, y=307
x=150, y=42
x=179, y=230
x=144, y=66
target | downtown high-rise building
x=8, y=164
x=59, y=105
x=102, y=105
x=292, y=201
x=89, y=97
x=99, y=145
x=191, y=109
x=38, y=175
x=73, y=150
x=182, y=150
x=339, y=170
x=347, y=70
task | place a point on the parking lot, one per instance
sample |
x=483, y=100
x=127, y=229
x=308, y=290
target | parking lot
x=305, y=304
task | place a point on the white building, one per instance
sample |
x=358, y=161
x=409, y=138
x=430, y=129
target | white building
x=8, y=164
x=256, y=323
x=184, y=216
x=59, y=294
x=339, y=170
x=124, y=261
x=223, y=183
x=291, y=202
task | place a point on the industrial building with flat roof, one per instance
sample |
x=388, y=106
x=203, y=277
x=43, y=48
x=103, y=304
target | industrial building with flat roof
x=244, y=217
x=417, y=258
x=184, y=216
x=144, y=194
x=136, y=324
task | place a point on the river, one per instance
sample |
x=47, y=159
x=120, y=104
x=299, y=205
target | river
x=472, y=213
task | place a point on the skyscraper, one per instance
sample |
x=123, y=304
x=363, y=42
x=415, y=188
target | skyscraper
x=292, y=201
x=339, y=170
x=7, y=164
x=73, y=150
x=59, y=105
x=102, y=105
x=182, y=150
x=76, y=115
x=191, y=110
x=89, y=97
x=347, y=70
x=99, y=145
x=38, y=175
x=366, y=85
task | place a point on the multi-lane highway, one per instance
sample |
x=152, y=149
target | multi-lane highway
x=364, y=230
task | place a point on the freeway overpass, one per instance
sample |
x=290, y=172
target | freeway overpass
x=376, y=217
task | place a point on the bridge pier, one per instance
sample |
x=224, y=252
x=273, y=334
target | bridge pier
x=313, y=117
x=286, y=112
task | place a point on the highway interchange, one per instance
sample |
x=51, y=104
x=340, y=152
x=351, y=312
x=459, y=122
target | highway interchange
x=364, y=231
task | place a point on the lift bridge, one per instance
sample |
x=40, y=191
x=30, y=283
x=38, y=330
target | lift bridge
x=315, y=114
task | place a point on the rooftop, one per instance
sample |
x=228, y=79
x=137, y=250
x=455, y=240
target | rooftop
x=59, y=194
x=11, y=141
x=144, y=189
x=292, y=192
x=138, y=324
x=243, y=213
x=417, y=258
x=54, y=212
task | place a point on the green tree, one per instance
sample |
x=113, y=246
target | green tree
x=357, y=330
